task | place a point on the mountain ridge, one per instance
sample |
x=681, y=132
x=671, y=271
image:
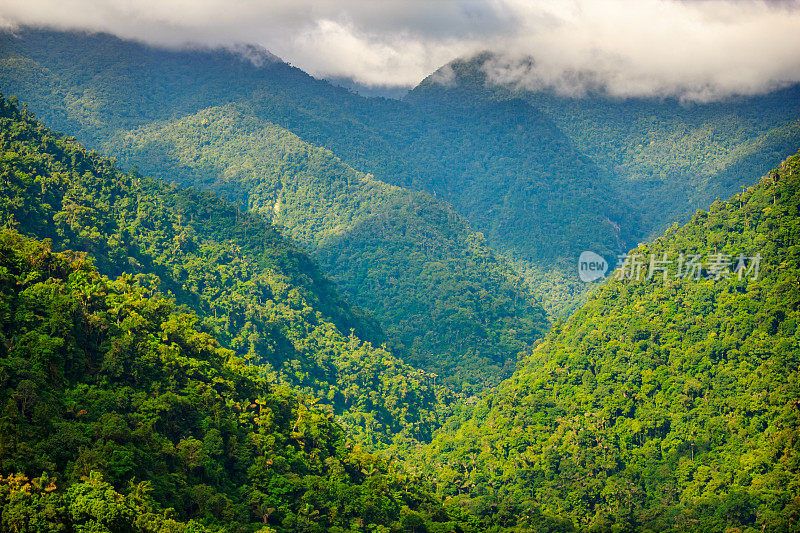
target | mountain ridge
x=655, y=148
x=377, y=136
x=416, y=264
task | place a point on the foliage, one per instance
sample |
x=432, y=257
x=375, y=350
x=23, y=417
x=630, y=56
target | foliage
x=257, y=293
x=141, y=422
x=663, y=404
x=455, y=308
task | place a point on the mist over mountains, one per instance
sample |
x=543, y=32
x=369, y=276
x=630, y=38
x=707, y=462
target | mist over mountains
x=697, y=51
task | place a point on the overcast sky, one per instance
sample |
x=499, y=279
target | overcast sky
x=700, y=50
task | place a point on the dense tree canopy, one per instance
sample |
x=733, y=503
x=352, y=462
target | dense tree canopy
x=454, y=306
x=119, y=414
x=257, y=293
x=666, y=403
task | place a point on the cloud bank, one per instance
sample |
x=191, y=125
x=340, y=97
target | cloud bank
x=696, y=50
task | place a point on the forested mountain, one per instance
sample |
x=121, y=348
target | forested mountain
x=543, y=177
x=455, y=308
x=667, y=157
x=121, y=414
x=256, y=292
x=669, y=402
x=452, y=305
x=512, y=181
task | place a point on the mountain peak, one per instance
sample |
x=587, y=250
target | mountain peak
x=257, y=55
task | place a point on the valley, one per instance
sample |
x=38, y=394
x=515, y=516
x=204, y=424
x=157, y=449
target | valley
x=235, y=297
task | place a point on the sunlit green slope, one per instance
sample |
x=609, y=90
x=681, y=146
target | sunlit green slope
x=120, y=414
x=662, y=404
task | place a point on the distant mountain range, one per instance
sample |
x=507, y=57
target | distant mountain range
x=543, y=177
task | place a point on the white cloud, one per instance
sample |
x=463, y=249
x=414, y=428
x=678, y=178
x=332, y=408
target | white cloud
x=333, y=48
x=694, y=49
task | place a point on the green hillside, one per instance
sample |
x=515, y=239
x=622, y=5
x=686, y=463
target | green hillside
x=664, y=403
x=454, y=307
x=120, y=414
x=257, y=293
x=680, y=157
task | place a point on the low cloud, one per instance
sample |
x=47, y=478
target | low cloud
x=696, y=50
